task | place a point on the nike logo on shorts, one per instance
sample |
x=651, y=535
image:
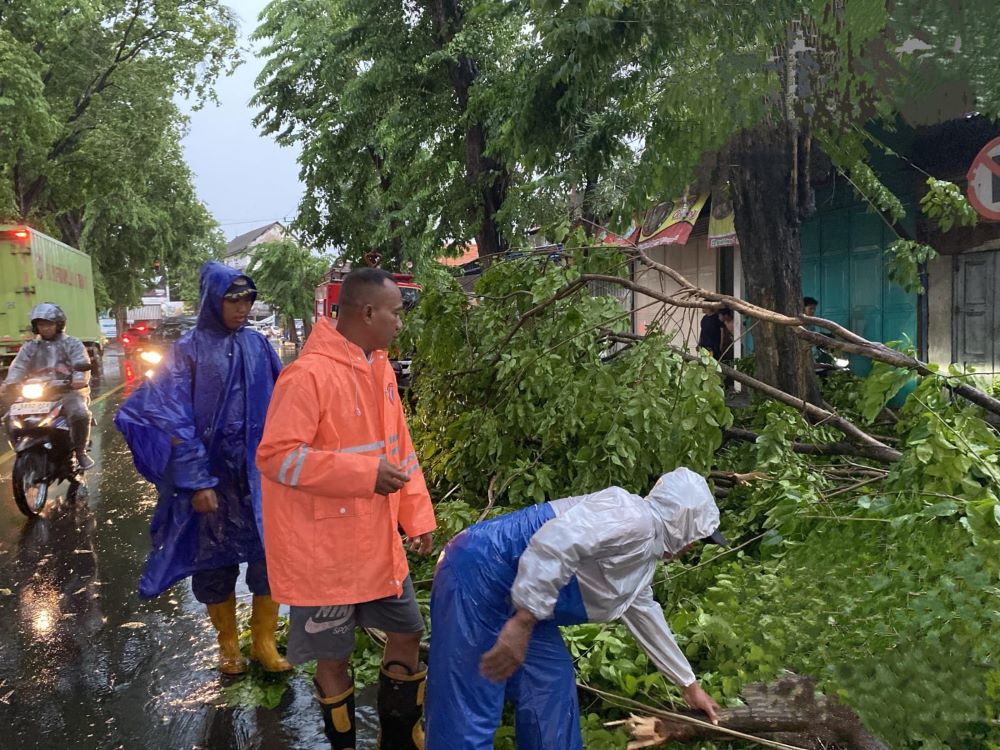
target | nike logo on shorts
x=326, y=618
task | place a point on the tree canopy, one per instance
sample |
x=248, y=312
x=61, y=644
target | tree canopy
x=428, y=124
x=90, y=132
x=286, y=275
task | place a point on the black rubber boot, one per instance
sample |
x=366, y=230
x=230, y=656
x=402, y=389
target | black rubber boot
x=400, y=708
x=338, y=718
x=79, y=429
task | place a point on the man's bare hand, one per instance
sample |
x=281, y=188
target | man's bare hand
x=389, y=478
x=507, y=654
x=699, y=700
x=205, y=501
x=423, y=544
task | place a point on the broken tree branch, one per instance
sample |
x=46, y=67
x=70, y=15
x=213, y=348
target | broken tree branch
x=866, y=445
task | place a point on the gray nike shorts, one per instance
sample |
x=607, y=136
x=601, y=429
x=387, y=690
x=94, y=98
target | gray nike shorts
x=328, y=632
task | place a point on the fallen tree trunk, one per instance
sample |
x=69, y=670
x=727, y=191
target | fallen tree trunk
x=788, y=711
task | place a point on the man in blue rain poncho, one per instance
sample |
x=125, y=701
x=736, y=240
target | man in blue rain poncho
x=193, y=430
x=503, y=588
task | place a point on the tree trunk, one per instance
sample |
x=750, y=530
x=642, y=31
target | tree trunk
x=395, y=259
x=70, y=225
x=767, y=179
x=293, y=334
x=789, y=711
x=121, y=319
x=487, y=178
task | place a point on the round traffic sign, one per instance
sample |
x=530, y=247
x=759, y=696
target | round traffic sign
x=984, y=181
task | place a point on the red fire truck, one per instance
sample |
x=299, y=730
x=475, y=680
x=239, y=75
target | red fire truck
x=328, y=292
x=328, y=295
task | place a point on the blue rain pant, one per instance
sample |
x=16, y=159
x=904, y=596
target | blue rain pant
x=470, y=603
x=218, y=584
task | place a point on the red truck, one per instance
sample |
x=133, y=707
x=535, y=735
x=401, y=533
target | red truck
x=328, y=295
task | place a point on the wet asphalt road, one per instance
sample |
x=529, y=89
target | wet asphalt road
x=84, y=663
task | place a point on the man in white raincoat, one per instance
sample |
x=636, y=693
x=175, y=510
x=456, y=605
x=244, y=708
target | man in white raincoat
x=503, y=588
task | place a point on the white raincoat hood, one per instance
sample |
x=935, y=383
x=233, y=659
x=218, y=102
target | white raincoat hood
x=682, y=500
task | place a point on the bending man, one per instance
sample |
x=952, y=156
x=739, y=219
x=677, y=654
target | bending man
x=503, y=588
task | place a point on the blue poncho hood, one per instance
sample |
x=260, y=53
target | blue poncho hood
x=196, y=425
x=215, y=281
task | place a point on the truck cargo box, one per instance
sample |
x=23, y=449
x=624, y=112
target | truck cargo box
x=37, y=268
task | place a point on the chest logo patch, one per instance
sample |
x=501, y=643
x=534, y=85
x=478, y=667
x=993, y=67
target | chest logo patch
x=390, y=393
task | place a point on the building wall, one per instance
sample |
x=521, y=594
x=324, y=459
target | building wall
x=843, y=266
x=698, y=264
x=940, y=303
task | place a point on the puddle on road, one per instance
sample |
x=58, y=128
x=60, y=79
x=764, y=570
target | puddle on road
x=85, y=663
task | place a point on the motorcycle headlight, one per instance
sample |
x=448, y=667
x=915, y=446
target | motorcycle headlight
x=32, y=391
x=153, y=358
x=841, y=362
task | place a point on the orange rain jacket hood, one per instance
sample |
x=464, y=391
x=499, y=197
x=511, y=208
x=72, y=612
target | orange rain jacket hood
x=328, y=537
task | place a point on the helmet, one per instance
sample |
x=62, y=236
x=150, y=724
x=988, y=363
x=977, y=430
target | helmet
x=48, y=311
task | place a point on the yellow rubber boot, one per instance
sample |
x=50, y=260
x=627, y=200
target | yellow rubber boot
x=223, y=617
x=263, y=622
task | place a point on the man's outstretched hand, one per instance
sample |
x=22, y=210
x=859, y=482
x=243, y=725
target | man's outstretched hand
x=698, y=699
x=507, y=654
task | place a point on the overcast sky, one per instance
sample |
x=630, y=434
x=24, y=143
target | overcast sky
x=245, y=179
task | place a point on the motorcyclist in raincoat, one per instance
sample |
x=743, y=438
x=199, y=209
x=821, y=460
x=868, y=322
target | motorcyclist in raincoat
x=53, y=353
x=503, y=587
x=193, y=430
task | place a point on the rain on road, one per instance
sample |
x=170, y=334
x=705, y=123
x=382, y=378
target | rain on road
x=83, y=661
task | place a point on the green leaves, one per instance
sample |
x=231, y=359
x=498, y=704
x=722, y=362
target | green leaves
x=882, y=587
x=879, y=388
x=286, y=275
x=903, y=261
x=946, y=203
x=549, y=412
x=90, y=132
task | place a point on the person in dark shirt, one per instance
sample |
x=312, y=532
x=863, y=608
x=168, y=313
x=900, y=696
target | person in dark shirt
x=713, y=331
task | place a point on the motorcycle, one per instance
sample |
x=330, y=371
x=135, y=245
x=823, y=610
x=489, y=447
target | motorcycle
x=149, y=360
x=146, y=358
x=827, y=362
x=40, y=437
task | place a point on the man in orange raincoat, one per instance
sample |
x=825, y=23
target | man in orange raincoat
x=339, y=478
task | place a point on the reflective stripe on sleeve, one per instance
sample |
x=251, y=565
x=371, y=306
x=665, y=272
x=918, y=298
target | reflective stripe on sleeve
x=363, y=448
x=287, y=463
x=298, y=466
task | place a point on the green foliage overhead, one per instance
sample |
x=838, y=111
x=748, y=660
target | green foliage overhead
x=363, y=86
x=618, y=419
x=903, y=261
x=90, y=134
x=286, y=275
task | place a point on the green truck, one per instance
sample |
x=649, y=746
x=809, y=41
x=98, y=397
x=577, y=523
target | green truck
x=37, y=268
